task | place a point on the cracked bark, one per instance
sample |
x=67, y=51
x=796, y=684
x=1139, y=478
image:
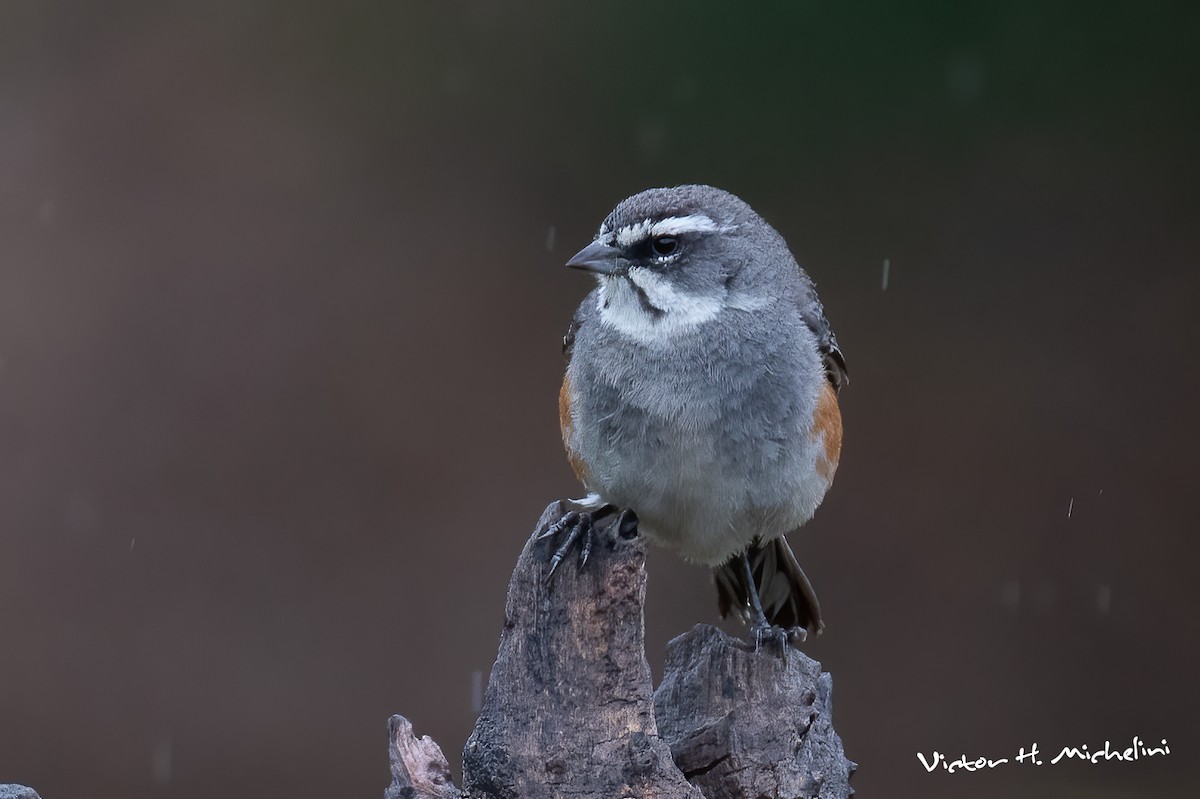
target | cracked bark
x=570, y=710
x=746, y=723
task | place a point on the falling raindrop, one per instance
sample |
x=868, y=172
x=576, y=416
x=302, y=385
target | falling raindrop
x=476, y=691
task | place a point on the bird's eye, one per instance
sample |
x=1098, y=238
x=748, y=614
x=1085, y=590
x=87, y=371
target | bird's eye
x=665, y=245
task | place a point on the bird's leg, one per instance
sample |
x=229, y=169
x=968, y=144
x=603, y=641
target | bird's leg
x=755, y=603
x=761, y=627
x=578, y=525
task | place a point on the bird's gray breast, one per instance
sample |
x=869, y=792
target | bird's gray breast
x=705, y=435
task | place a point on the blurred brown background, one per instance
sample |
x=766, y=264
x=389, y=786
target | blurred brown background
x=281, y=300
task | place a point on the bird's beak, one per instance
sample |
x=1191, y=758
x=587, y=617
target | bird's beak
x=600, y=258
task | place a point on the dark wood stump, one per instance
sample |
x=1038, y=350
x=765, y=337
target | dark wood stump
x=570, y=710
x=747, y=721
x=419, y=769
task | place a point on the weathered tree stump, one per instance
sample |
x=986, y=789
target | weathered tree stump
x=747, y=721
x=570, y=710
x=419, y=769
x=10, y=790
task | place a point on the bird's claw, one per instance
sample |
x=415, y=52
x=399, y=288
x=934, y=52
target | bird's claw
x=579, y=526
x=764, y=631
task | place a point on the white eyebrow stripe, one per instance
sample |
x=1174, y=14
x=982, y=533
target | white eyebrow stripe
x=631, y=234
x=671, y=226
x=693, y=223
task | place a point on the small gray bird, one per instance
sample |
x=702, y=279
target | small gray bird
x=701, y=394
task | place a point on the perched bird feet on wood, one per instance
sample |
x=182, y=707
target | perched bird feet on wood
x=577, y=524
x=765, y=587
x=762, y=629
x=773, y=633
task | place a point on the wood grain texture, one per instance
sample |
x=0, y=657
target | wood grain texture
x=747, y=721
x=419, y=769
x=570, y=709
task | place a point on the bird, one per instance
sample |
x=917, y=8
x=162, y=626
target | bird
x=700, y=397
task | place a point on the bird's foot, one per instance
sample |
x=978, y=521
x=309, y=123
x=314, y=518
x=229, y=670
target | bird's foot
x=764, y=631
x=577, y=525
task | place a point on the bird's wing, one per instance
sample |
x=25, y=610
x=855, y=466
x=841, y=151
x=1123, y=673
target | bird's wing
x=568, y=343
x=566, y=421
x=835, y=363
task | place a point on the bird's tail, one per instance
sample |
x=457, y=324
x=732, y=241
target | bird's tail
x=787, y=597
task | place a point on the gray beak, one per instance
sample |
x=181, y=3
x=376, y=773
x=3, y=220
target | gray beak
x=599, y=258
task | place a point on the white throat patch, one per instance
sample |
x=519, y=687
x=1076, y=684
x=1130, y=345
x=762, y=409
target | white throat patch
x=647, y=307
x=622, y=309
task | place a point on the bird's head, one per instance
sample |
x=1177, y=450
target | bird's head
x=669, y=260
